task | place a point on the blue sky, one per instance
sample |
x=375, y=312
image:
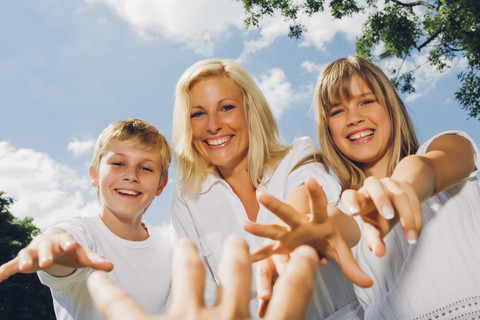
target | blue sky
x=68, y=68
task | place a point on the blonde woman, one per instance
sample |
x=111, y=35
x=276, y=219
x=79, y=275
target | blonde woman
x=227, y=147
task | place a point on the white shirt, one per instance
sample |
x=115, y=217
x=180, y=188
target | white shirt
x=215, y=212
x=440, y=274
x=142, y=268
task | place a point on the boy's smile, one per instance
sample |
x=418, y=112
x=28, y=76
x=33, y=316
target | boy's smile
x=128, y=179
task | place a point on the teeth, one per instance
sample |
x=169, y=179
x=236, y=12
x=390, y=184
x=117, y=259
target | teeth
x=128, y=192
x=218, y=141
x=361, y=134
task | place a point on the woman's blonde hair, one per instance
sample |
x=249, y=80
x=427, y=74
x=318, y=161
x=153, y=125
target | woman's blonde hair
x=266, y=147
x=333, y=85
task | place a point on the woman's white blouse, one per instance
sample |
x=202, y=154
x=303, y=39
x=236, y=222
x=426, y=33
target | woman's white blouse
x=439, y=276
x=215, y=212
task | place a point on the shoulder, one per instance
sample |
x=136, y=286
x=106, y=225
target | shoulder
x=455, y=140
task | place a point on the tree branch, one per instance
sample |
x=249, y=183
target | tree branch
x=416, y=3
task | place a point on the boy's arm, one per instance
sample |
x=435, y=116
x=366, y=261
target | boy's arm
x=55, y=252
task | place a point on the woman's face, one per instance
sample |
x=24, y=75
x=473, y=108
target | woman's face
x=219, y=123
x=360, y=127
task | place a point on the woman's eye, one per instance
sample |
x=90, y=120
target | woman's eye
x=196, y=114
x=228, y=107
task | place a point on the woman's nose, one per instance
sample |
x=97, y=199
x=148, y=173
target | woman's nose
x=214, y=124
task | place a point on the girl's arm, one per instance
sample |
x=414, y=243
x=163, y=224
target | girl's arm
x=383, y=202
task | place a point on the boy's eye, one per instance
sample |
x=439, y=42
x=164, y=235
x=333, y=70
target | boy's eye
x=147, y=169
x=117, y=164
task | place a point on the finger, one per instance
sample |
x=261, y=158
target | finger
x=409, y=209
x=235, y=274
x=188, y=278
x=282, y=210
x=264, y=278
x=281, y=262
x=262, y=307
x=94, y=260
x=8, y=269
x=349, y=265
x=111, y=301
x=374, y=239
x=27, y=260
x=356, y=202
x=380, y=196
x=263, y=252
x=318, y=200
x=294, y=289
x=272, y=231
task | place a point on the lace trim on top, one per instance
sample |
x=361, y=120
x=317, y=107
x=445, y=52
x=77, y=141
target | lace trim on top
x=468, y=308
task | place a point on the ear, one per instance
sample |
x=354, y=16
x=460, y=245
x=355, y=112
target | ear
x=161, y=187
x=93, y=177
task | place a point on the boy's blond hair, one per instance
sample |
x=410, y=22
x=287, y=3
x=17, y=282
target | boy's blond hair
x=333, y=85
x=148, y=137
x=266, y=147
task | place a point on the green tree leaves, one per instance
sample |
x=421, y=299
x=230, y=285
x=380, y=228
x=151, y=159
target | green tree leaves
x=445, y=29
x=22, y=296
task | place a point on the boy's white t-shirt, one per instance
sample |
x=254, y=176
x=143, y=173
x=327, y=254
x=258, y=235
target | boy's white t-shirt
x=141, y=268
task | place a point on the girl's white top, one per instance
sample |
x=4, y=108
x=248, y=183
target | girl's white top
x=209, y=216
x=439, y=276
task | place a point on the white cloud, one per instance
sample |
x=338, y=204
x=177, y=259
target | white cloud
x=196, y=23
x=43, y=188
x=278, y=91
x=270, y=29
x=312, y=67
x=322, y=28
x=80, y=147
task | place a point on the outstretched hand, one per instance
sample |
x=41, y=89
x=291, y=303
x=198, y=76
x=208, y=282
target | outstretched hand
x=289, y=301
x=381, y=203
x=57, y=253
x=316, y=229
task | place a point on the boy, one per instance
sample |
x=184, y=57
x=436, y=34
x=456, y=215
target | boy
x=129, y=169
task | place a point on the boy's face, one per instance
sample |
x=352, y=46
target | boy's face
x=128, y=180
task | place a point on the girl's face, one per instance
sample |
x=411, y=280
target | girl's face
x=219, y=124
x=361, y=128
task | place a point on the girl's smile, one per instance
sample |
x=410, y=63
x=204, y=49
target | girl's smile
x=360, y=127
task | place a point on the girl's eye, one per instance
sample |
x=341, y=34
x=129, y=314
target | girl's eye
x=117, y=164
x=334, y=112
x=147, y=169
x=368, y=101
x=196, y=114
x=228, y=107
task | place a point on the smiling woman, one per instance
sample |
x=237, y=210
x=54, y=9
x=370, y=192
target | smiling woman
x=227, y=147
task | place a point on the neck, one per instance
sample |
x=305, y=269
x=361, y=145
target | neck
x=132, y=230
x=243, y=187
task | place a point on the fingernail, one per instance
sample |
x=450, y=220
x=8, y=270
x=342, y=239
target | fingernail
x=67, y=244
x=388, y=212
x=353, y=209
x=263, y=294
x=21, y=264
x=412, y=237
